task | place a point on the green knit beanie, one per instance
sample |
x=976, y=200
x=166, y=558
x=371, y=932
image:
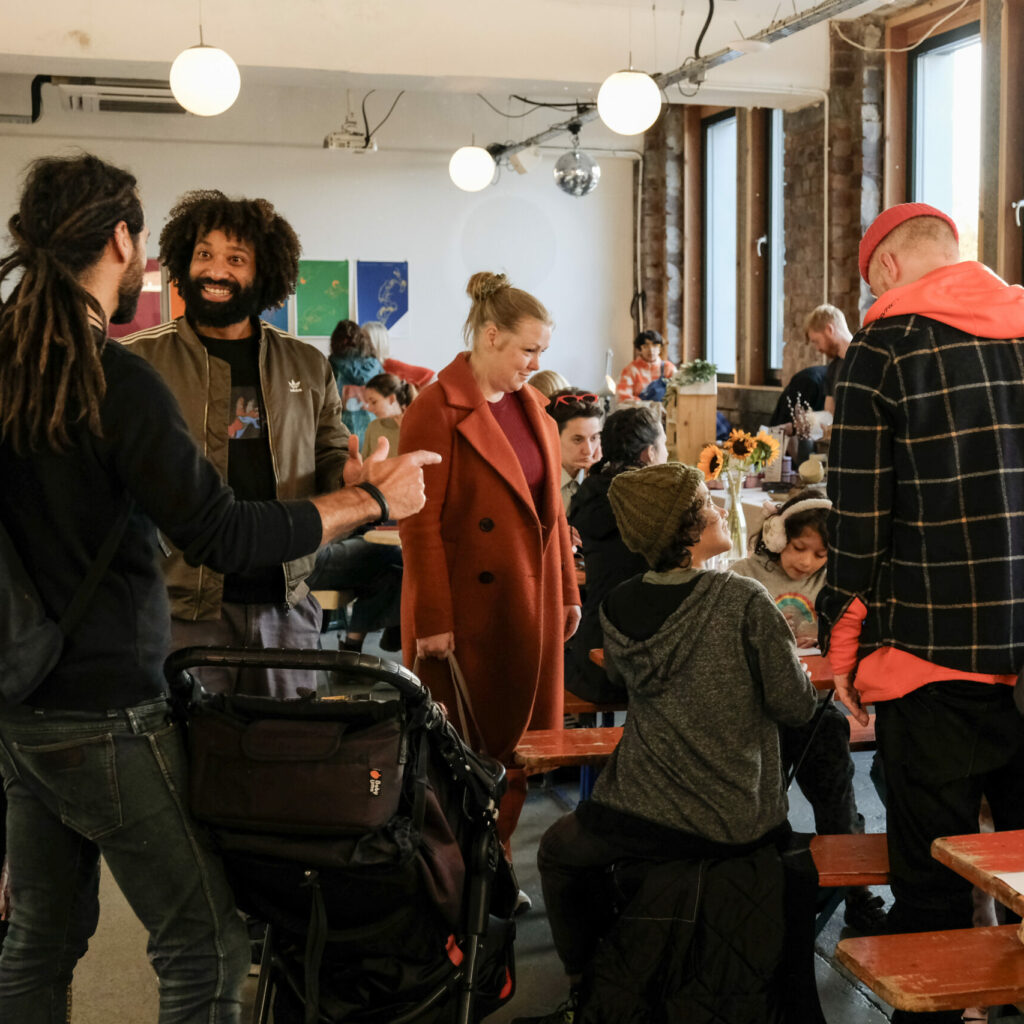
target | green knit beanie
x=649, y=505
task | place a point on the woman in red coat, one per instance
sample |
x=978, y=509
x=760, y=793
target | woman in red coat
x=489, y=573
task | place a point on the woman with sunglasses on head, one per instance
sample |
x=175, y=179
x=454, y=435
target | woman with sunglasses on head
x=579, y=417
x=489, y=574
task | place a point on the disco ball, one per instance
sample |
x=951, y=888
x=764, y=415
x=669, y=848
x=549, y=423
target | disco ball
x=576, y=173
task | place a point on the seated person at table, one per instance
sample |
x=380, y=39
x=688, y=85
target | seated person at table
x=711, y=672
x=578, y=415
x=387, y=397
x=789, y=560
x=647, y=366
x=806, y=386
x=631, y=439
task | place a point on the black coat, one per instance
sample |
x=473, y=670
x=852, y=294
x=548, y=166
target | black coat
x=608, y=562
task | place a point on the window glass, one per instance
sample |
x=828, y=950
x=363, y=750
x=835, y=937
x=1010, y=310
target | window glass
x=776, y=248
x=946, y=115
x=720, y=242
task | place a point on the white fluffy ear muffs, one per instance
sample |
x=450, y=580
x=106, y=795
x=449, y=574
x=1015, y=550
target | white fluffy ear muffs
x=773, y=532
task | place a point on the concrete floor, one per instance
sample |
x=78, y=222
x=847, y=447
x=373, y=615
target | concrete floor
x=115, y=983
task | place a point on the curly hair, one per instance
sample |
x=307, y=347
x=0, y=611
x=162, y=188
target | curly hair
x=677, y=552
x=349, y=339
x=253, y=221
x=50, y=371
x=626, y=434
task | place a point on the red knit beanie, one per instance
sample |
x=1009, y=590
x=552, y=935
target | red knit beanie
x=889, y=220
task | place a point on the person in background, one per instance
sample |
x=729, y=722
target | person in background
x=353, y=361
x=262, y=405
x=631, y=439
x=387, y=397
x=789, y=558
x=547, y=382
x=489, y=574
x=418, y=376
x=922, y=603
x=94, y=762
x=647, y=366
x=711, y=672
x=578, y=414
x=806, y=386
x=825, y=328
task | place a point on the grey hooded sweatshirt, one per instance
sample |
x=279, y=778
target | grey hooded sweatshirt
x=707, y=692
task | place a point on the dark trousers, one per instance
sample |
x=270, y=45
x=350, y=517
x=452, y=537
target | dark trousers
x=943, y=747
x=825, y=775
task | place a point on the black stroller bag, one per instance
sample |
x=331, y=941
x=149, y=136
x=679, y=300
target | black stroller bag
x=361, y=828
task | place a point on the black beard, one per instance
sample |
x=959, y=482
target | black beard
x=241, y=306
x=129, y=289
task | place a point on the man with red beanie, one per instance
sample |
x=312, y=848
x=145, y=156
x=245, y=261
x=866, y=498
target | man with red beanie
x=924, y=604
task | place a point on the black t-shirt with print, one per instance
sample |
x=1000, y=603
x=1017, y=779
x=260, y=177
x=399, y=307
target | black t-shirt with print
x=250, y=467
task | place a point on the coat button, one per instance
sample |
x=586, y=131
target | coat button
x=486, y=525
x=486, y=577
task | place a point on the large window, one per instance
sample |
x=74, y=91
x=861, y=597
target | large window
x=945, y=118
x=720, y=242
x=776, y=248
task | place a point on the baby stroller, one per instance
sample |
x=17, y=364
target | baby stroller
x=357, y=824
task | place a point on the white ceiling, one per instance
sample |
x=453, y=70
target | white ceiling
x=540, y=48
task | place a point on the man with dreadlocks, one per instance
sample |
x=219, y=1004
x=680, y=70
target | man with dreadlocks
x=265, y=408
x=94, y=764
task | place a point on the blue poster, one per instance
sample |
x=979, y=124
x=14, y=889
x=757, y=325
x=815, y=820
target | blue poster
x=278, y=316
x=382, y=292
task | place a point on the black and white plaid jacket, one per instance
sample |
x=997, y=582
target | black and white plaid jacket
x=926, y=476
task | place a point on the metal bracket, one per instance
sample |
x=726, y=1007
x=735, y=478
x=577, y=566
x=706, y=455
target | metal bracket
x=1016, y=210
x=762, y=241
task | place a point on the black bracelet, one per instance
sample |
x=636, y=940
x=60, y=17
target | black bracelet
x=378, y=496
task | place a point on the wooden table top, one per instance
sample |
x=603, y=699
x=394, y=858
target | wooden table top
x=540, y=750
x=384, y=535
x=982, y=857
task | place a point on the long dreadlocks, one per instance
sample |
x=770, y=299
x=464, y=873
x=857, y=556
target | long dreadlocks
x=50, y=371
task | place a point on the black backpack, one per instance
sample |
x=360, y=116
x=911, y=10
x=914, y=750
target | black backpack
x=30, y=641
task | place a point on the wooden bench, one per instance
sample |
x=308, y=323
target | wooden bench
x=578, y=706
x=851, y=860
x=930, y=971
x=544, y=750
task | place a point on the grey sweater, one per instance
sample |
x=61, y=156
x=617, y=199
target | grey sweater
x=707, y=692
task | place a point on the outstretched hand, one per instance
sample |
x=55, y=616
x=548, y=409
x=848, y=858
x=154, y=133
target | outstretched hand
x=400, y=479
x=353, y=471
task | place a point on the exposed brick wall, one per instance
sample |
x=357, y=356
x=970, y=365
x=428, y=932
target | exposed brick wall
x=854, y=184
x=661, y=227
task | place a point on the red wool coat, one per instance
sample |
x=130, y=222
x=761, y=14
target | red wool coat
x=480, y=561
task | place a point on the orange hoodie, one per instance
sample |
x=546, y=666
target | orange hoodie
x=971, y=298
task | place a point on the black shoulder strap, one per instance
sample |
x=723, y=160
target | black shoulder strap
x=76, y=607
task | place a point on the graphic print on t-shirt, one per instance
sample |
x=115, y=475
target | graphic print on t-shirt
x=248, y=419
x=799, y=613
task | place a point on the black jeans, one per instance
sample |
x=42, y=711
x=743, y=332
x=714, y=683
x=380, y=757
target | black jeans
x=943, y=746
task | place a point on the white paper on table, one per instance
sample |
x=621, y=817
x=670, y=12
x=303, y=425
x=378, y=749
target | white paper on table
x=808, y=652
x=1014, y=879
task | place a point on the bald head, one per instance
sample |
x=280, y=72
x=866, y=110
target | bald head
x=908, y=252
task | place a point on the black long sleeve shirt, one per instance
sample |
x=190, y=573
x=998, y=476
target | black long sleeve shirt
x=58, y=508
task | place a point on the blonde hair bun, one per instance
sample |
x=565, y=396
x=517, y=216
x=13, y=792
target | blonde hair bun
x=484, y=284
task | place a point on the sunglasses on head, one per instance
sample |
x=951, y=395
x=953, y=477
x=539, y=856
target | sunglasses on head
x=582, y=398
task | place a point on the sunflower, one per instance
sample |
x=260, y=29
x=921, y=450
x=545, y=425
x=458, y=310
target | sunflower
x=740, y=445
x=711, y=460
x=767, y=450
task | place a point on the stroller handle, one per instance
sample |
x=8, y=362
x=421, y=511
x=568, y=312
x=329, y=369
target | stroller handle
x=348, y=662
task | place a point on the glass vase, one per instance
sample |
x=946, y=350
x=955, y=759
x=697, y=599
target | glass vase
x=734, y=519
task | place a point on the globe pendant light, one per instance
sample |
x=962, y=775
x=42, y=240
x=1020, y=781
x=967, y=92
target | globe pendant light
x=576, y=173
x=471, y=168
x=629, y=102
x=204, y=79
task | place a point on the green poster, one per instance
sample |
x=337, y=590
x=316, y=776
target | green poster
x=321, y=297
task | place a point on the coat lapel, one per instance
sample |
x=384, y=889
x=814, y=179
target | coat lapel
x=481, y=431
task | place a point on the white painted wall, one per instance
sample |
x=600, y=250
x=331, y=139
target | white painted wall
x=576, y=255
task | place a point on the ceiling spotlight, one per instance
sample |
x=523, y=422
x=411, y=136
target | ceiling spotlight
x=576, y=174
x=471, y=168
x=629, y=102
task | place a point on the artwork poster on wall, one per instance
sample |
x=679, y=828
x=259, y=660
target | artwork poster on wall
x=382, y=292
x=321, y=297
